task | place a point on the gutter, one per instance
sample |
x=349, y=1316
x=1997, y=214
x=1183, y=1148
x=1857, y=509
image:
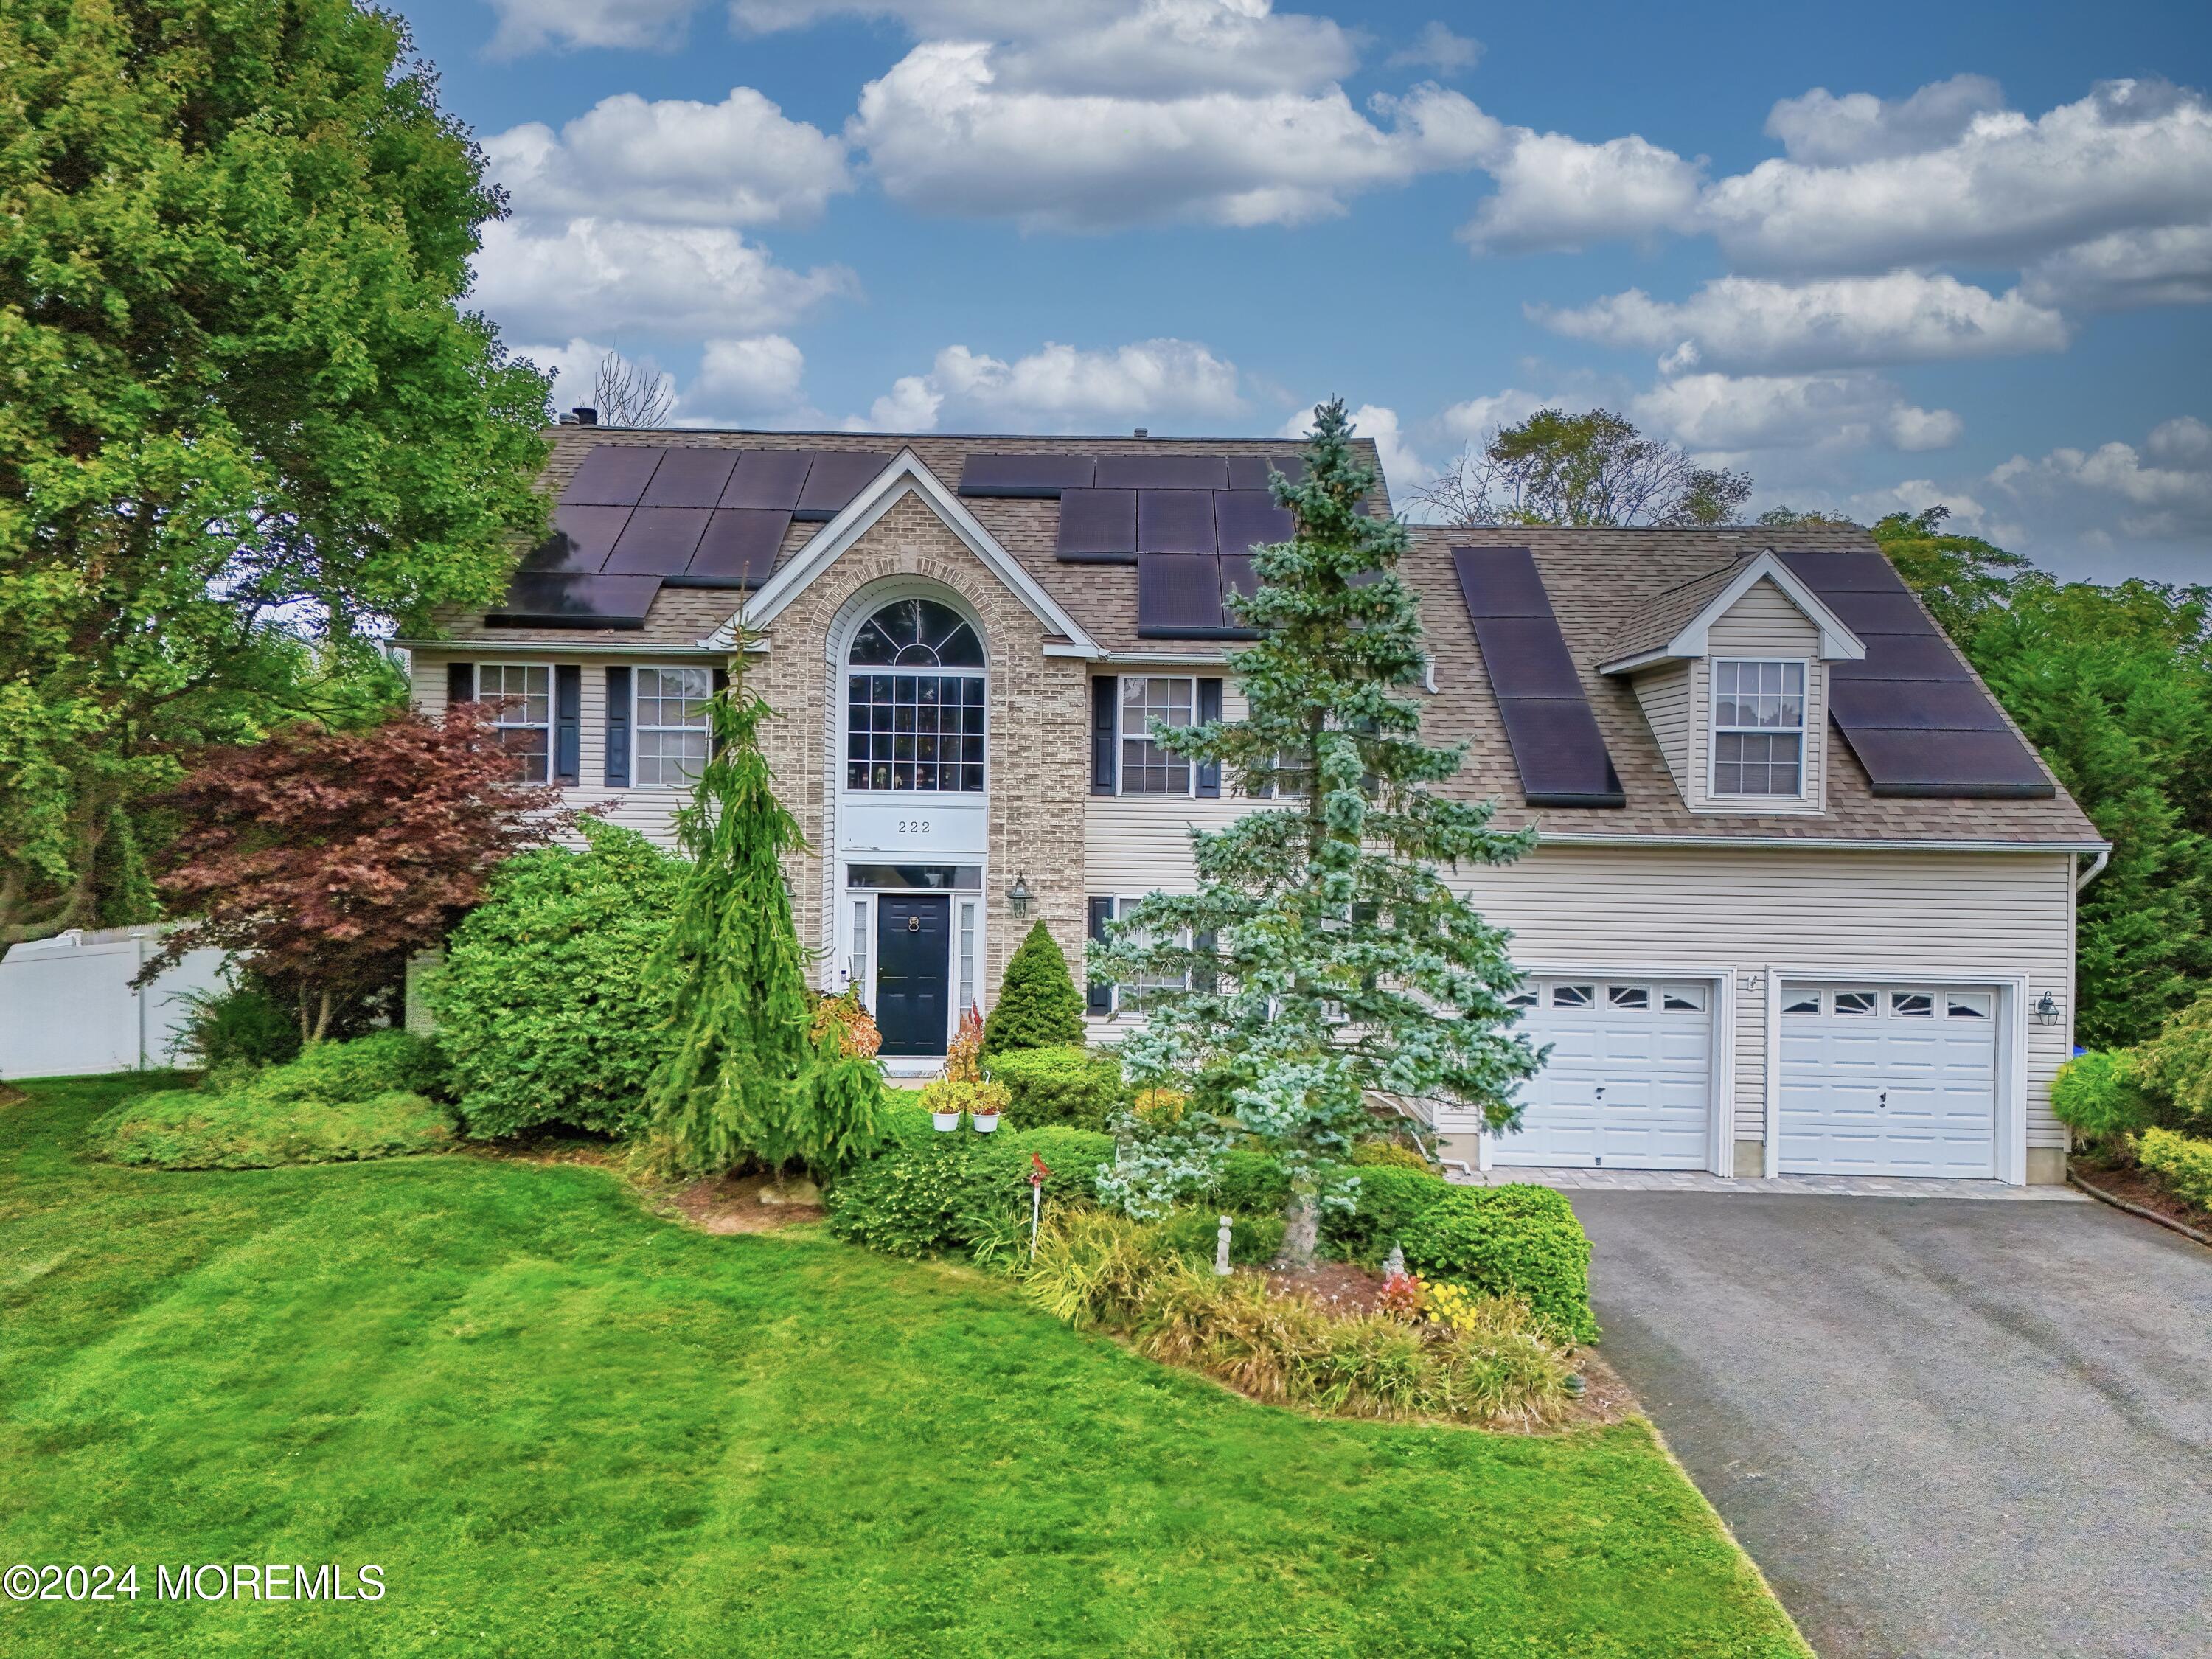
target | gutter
x=522, y=645
x=1827, y=843
x=2096, y=867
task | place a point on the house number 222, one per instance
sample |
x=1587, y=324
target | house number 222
x=913, y=826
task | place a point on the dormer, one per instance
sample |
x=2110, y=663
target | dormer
x=1732, y=672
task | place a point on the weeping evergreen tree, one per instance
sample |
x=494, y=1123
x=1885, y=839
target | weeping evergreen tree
x=731, y=1085
x=1325, y=957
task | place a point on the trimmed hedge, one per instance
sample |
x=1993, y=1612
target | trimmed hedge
x=929, y=1193
x=1068, y=1084
x=384, y=1062
x=1038, y=1005
x=1386, y=1206
x=1388, y=1155
x=189, y=1129
x=1251, y=1183
x=1508, y=1241
x=2101, y=1095
x=2185, y=1163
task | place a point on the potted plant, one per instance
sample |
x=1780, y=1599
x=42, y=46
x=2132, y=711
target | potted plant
x=984, y=1112
x=947, y=1122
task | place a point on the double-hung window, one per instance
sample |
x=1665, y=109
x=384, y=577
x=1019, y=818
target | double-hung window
x=1759, y=728
x=1171, y=698
x=521, y=696
x=672, y=727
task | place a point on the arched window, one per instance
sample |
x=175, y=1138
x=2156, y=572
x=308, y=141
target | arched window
x=913, y=701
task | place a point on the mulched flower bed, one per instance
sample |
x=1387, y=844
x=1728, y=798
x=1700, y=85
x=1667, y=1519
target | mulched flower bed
x=2145, y=1189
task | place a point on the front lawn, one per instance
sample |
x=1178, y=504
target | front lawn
x=563, y=1427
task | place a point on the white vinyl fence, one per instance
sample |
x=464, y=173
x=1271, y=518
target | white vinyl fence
x=67, y=1007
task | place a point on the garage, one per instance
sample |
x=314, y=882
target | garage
x=1896, y=1079
x=1629, y=1085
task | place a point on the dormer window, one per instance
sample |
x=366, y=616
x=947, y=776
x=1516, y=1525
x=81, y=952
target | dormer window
x=1759, y=728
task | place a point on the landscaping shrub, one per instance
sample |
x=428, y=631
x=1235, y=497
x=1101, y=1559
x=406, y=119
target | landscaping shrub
x=1251, y=1183
x=242, y=1024
x=2100, y=1095
x=2185, y=1163
x=1038, y=1005
x=1388, y=1155
x=2175, y=1068
x=1515, y=1241
x=1253, y=1240
x=1067, y=1083
x=929, y=1193
x=1093, y=1268
x=199, y=1129
x=1074, y=1156
x=1387, y=1203
x=545, y=1009
x=325, y=1073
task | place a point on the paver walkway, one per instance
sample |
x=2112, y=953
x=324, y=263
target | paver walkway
x=1698, y=1181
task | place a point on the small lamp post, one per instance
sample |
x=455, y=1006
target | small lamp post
x=1018, y=896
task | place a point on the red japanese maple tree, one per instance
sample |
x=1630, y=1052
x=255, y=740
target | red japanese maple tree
x=324, y=857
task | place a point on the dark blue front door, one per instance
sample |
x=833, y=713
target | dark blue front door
x=913, y=939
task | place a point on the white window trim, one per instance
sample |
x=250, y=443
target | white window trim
x=852, y=944
x=552, y=711
x=638, y=728
x=1121, y=902
x=847, y=629
x=1714, y=730
x=1123, y=737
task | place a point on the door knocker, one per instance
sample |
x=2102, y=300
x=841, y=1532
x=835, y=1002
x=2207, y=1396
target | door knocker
x=913, y=924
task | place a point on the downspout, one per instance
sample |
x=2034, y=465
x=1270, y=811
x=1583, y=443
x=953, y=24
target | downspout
x=2096, y=868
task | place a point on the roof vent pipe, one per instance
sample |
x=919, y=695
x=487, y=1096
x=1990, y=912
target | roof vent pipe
x=587, y=415
x=1142, y=432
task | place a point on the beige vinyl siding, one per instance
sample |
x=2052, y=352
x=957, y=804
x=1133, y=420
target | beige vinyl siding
x=1665, y=695
x=1765, y=622
x=652, y=812
x=1887, y=915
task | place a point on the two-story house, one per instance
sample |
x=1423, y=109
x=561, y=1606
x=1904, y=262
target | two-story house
x=1804, y=899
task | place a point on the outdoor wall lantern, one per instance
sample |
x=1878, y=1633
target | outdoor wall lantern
x=1017, y=896
x=2046, y=1010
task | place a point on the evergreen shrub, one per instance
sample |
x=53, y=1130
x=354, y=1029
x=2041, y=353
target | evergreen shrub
x=1038, y=1005
x=1065, y=1084
x=545, y=1008
x=197, y=1129
x=241, y=1022
x=1515, y=1241
x=1195, y=1234
x=1388, y=1155
x=928, y=1192
x=1386, y=1206
x=1251, y=1183
x=2175, y=1068
x=2100, y=1095
x=2185, y=1163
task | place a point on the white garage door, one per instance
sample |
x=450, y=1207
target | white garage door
x=1888, y=1079
x=1630, y=1082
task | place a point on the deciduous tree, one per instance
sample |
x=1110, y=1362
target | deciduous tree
x=1594, y=468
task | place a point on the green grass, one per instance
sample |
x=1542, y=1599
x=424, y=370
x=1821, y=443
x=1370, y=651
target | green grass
x=563, y=1427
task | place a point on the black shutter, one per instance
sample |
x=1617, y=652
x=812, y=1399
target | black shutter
x=1203, y=976
x=1209, y=708
x=721, y=685
x=460, y=682
x=567, y=724
x=617, y=772
x=1105, y=693
x=1100, y=999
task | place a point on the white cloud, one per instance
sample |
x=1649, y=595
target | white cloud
x=1402, y=469
x=2172, y=266
x=945, y=134
x=1745, y=323
x=1733, y=414
x=605, y=275
x=1470, y=422
x=1060, y=388
x=2133, y=155
x=635, y=25
x=1555, y=192
x=1437, y=48
x=1822, y=130
x=575, y=368
x=752, y=380
x=674, y=161
x=2162, y=492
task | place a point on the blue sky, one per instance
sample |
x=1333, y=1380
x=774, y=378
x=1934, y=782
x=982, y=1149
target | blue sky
x=1877, y=256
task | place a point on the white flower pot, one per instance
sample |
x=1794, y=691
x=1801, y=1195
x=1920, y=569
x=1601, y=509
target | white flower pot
x=984, y=1122
x=946, y=1122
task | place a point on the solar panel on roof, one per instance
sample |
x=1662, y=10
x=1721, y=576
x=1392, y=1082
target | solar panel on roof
x=658, y=541
x=575, y=602
x=768, y=478
x=738, y=550
x=1917, y=719
x=1097, y=527
x=581, y=540
x=836, y=477
x=613, y=475
x=1250, y=518
x=690, y=478
x=1162, y=472
x=1558, y=749
x=1251, y=471
x=1237, y=576
x=1179, y=597
x=1174, y=521
x=1033, y=477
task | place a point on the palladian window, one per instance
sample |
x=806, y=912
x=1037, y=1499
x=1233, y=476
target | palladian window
x=913, y=701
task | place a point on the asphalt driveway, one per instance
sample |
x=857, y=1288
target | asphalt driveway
x=1940, y=1427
